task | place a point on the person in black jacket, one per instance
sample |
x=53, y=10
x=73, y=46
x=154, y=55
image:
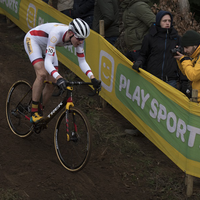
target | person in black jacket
x=84, y=9
x=107, y=10
x=156, y=56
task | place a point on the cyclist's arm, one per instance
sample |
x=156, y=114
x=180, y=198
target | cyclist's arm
x=50, y=57
x=82, y=62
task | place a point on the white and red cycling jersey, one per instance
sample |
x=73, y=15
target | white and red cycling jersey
x=42, y=40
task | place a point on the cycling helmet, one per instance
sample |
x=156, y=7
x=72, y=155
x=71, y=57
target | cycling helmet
x=80, y=28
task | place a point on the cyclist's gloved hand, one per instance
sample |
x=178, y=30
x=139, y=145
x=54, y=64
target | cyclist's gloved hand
x=137, y=65
x=62, y=84
x=96, y=84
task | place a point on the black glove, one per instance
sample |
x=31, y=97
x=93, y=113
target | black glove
x=62, y=84
x=186, y=88
x=96, y=84
x=137, y=65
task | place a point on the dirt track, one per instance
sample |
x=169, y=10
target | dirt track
x=30, y=166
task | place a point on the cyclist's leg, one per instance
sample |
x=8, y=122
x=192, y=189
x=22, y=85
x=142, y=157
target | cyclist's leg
x=37, y=88
x=49, y=88
x=34, y=52
x=41, y=75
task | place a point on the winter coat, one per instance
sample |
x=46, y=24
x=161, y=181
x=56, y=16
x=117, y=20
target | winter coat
x=156, y=53
x=137, y=19
x=65, y=5
x=108, y=11
x=191, y=68
x=83, y=8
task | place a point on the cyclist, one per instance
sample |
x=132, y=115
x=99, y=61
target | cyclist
x=40, y=45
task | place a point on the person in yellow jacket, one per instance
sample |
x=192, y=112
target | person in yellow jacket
x=189, y=63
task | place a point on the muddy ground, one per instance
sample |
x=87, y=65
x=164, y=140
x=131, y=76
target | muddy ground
x=30, y=169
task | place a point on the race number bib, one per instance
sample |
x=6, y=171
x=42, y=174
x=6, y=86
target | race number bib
x=50, y=51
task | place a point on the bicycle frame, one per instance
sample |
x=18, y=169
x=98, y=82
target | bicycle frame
x=72, y=134
x=66, y=102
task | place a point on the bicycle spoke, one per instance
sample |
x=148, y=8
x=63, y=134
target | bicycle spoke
x=18, y=108
x=73, y=150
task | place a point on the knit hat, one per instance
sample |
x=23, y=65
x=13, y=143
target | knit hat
x=160, y=15
x=190, y=38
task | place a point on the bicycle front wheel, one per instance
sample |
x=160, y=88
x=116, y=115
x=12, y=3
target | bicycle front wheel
x=18, y=108
x=72, y=139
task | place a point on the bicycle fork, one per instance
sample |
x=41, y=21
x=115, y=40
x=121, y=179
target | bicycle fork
x=68, y=105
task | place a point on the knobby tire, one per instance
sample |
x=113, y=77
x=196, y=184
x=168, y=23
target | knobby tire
x=72, y=153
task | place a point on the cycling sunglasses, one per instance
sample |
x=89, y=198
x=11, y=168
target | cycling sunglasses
x=79, y=39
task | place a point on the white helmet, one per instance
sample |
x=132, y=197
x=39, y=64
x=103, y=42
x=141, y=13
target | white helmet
x=80, y=28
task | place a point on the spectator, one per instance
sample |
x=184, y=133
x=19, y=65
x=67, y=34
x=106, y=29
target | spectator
x=184, y=85
x=107, y=10
x=155, y=55
x=137, y=19
x=189, y=64
x=84, y=9
x=65, y=7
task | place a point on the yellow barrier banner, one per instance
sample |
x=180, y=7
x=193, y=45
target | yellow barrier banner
x=162, y=113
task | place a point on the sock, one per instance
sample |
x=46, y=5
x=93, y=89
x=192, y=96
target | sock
x=34, y=107
x=40, y=109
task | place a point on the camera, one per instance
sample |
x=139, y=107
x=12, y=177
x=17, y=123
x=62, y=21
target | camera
x=177, y=49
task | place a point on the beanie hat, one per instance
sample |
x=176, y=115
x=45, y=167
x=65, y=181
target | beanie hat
x=190, y=38
x=160, y=15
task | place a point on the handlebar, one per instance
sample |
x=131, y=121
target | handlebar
x=73, y=83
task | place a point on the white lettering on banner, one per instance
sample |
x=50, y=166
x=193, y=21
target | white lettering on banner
x=181, y=129
x=193, y=132
x=159, y=112
x=138, y=94
x=11, y=4
x=40, y=20
x=171, y=117
x=178, y=126
x=70, y=49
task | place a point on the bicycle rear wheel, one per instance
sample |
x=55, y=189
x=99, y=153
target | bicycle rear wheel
x=73, y=147
x=18, y=108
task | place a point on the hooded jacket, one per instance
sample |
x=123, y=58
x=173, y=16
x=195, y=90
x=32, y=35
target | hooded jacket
x=137, y=19
x=191, y=68
x=156, y=48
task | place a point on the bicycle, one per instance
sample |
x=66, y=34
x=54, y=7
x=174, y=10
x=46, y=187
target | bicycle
x=72, y=135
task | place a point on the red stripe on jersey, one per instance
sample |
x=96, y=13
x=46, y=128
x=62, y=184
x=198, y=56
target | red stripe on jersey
x=39, y=33
x=80, y=54
x=63, y=39
x=56, y=67
x=88, y=72
x=54, y=71
x=37, y=60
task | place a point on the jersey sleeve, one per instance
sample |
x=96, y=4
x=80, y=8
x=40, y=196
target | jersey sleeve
x=50, y=55
x=82, y=62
